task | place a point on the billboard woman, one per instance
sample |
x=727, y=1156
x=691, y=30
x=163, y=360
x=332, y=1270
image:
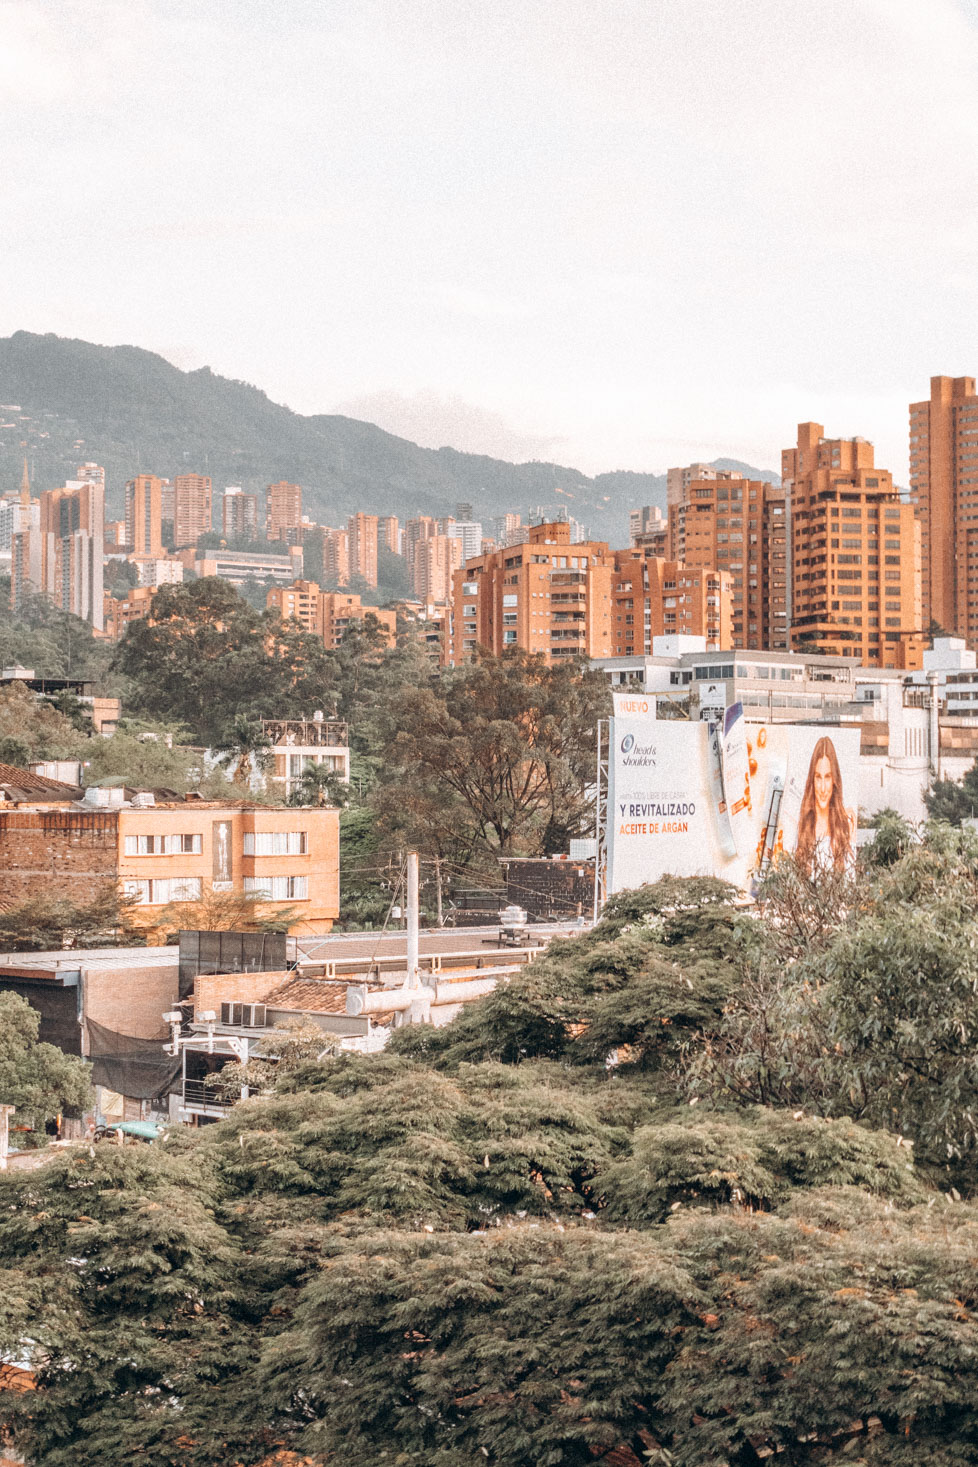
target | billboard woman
x=825, y=827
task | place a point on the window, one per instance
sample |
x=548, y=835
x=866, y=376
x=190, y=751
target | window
x=159, y=893
x=163, y=845
x=244, y=1015
x=275, y=843
x=278, y=888
x=510, y=599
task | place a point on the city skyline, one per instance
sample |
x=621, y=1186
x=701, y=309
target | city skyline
x=646, y=237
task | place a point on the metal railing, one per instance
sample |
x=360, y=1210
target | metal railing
x=198, y=1092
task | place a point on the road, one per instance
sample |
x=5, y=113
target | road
x=339, y=945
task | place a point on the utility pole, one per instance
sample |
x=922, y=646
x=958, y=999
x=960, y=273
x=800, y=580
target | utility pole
x=412, y=978
x=6, y=1111
x=438, y=888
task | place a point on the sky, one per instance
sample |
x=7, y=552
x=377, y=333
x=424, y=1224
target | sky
x=611, y=233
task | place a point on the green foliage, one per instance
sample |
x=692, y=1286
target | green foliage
x=31, y=729
x=502, y=750
x=952, y=802
x=39, y=1079
x=145, y=754
x=51, y=641
x=46, y=922
x=757, y=1158
x=209, y=661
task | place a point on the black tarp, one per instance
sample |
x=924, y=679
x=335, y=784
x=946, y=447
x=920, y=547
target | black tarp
x=228, y=952
x=139, y=1068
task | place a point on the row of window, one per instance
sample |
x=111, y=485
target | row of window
x=257, y=843
x=158, y=893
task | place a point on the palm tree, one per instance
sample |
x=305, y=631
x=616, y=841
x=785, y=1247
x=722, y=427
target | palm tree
x=247, y=747
x=320, y=785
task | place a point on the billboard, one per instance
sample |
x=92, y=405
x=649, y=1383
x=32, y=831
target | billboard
x=726, y=799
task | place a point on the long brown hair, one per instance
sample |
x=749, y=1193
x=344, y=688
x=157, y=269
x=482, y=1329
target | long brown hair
x=840, y=837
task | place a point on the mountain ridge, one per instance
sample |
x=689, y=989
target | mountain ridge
x=132, y=411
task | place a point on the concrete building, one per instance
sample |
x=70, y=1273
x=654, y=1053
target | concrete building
x=299, y=744
x=855, y=554
x=283, y=512
x=192, y=515
x=944, y=487
x=361, y=531
x=164, y=570
x=238, y=566
x=737, y=525
x=61, y=551
x=105, y=1005
x=239, y=514
x=144, y=516
x=172, y=852
x=898, y=721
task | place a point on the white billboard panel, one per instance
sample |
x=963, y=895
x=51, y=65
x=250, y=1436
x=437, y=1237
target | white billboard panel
x=693, y=799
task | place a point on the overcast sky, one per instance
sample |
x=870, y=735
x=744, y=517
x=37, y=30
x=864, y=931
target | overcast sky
x=619, y=235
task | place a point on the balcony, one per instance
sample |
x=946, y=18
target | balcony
x=201, y=1099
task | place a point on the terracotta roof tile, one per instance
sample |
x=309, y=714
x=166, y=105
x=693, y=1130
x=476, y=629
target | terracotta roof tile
x=15, y=778
x=310, y=995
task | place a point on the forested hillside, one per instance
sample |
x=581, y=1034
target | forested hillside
x=131, y=411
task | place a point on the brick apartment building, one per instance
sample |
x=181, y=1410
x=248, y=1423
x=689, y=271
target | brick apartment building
x=283, y=512
x=327, y=614
x=721, y=520
x=239, y=514
x=944, y=487
x=561, y=599
x=144, y=515
x=855, y=554
x=172, y=851
x=192, y=515
x=362, y=537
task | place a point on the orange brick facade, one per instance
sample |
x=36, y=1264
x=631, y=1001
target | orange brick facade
x=944, y=486
x=739, y=526
x=327, y=614
x=564, y=600
x=191, y=508
x=855, y=554
x=177, y=852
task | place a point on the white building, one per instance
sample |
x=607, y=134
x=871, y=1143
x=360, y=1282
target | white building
x=898, y=718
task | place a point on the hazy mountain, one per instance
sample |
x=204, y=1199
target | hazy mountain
x=65, y=401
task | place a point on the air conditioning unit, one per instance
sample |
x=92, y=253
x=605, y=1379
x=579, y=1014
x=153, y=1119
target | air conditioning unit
x=243, y=1015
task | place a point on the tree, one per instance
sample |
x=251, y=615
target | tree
x=320, y=785
x=219, y=911
x=46, y=923
x=507, y=746
x=31, y=728
x=947, y=800
x=38, y=1079
x=247, y=747
x=145, y=754
x=208, y=660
